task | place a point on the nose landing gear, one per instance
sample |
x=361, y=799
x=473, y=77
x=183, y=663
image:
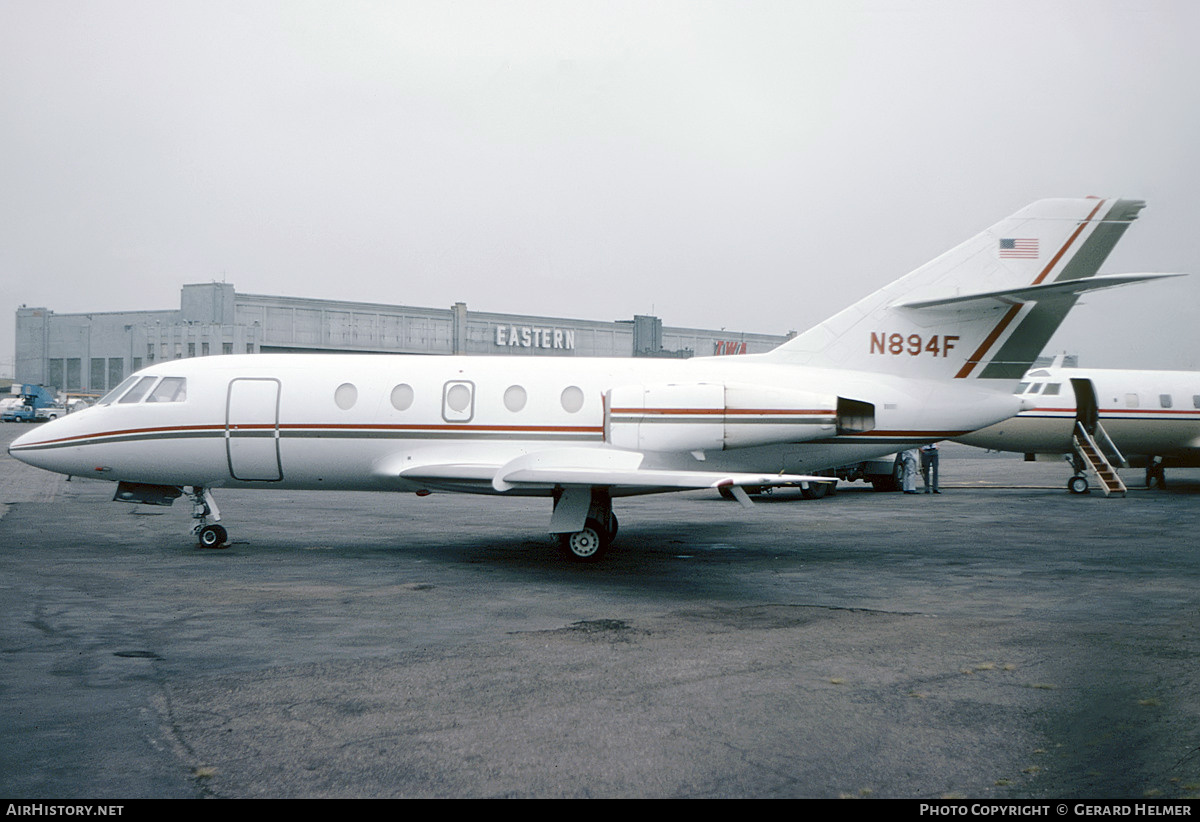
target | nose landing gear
x=208, y=534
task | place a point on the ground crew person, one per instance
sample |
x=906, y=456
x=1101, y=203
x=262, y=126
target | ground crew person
x=929, y=467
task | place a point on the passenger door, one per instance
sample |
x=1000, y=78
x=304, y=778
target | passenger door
x=252, y=430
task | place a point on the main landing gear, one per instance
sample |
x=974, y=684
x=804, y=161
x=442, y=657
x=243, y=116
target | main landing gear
x=584, y=522
x=208, y=534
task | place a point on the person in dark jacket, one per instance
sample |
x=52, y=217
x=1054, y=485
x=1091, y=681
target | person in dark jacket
x=929, y=467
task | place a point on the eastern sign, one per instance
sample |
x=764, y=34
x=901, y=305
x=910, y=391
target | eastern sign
x=525, y=336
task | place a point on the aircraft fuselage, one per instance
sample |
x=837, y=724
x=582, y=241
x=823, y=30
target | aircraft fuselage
x=359, y=422
x=1146, y=413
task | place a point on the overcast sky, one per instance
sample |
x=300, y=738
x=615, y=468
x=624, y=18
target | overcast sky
x=748, y=165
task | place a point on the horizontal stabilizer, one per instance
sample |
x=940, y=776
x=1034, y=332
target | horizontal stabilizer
x=1033, y=293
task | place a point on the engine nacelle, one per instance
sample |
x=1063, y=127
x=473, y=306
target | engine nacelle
x=720, y=416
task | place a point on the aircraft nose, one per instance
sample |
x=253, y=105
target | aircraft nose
x=25, y=447
x=14, y=447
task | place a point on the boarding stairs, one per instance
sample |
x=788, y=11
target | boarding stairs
x=1097, y=461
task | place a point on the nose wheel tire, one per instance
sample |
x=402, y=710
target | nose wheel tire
x=1077, y=485
x=212, y=536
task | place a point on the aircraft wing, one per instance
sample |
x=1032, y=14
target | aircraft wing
x=594, y=467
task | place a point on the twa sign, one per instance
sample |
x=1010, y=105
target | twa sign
x=729, y=347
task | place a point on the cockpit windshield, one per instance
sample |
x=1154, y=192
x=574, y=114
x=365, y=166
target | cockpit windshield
x=137, y=389
x=116, y=392
x=171, y=389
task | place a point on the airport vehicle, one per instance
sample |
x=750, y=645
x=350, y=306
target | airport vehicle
x=930, y=357
x=882, y=473
x=1101, y=419
x=34, y=404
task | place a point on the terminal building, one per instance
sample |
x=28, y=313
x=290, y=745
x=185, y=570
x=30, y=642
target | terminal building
x=93, y=352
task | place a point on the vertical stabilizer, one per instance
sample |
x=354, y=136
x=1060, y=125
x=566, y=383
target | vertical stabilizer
x=927, y=323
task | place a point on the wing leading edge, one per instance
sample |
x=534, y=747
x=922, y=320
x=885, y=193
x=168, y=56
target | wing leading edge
x=591, y=467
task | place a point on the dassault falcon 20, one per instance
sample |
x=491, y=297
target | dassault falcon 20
x=929, y=357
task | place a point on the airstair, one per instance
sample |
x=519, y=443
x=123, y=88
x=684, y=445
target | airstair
x=1090, y=456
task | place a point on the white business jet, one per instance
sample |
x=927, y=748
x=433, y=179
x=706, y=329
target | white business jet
x=1141, y=419
x=930, y=357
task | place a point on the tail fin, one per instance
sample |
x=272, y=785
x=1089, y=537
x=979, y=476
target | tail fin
x=983, y=310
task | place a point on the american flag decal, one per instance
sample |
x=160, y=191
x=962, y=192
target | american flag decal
x=1011, y=248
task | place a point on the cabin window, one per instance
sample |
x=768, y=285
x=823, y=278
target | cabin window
x=402, y=397
x=572, y=399
x=515, y=398
x=136, y=393
x=1195, y=400
x=171, y=389
x=1164, y=400
x=1052, y=389
x=458, y=401
x=345, y=396
x=1131, y=400
x=458, y=397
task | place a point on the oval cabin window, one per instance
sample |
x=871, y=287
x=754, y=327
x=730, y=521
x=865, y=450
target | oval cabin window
x=402, y=397
x=345, y=396
x=572, y=399
x=458, y=397
x=515, y=398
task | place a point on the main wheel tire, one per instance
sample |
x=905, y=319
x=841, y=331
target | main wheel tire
x=587, y=545
x=213, y=536
x=1077, y=485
